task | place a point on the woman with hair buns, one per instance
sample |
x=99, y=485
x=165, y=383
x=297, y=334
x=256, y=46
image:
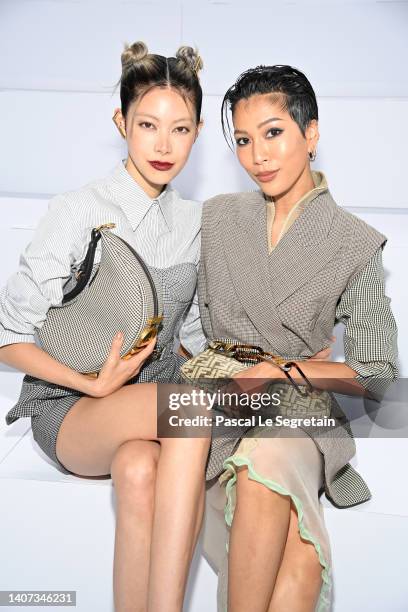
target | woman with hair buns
x=105, y=426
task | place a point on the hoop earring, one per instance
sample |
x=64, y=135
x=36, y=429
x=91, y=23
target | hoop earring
x=312, y=155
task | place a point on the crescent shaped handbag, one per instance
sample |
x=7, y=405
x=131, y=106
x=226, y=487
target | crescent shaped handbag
x=120, y=296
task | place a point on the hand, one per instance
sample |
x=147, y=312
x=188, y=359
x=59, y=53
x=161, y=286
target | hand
x=324, y=354
x=116, y=371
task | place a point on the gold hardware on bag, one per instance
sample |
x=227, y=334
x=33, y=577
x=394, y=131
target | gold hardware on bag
x=105, y=226
x=96, y=229
x=245, y=352
x=150, y=331
x=250, y=353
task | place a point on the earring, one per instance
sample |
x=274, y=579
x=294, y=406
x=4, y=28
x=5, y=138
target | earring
x=312, y=155
x=119, y=124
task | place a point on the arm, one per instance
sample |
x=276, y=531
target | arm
x=370, y=337
x=29, y=358
x=329, y=375
x=32, y=360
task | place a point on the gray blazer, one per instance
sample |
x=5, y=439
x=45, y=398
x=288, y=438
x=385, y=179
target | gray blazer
x=285, y=301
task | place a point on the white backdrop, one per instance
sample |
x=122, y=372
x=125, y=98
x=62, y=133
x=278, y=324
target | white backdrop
x=59, y=60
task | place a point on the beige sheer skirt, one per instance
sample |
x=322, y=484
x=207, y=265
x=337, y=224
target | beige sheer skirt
x=286, y=461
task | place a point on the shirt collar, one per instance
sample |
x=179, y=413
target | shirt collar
x=134, y=201
x=320, y=185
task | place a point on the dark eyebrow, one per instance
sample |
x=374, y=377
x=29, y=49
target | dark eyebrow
x=260, y=125
x=157, y=119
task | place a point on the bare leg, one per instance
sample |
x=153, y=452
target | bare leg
x=299, y=581
x=134, y=477
x=180, y=477
x=89, y=438
x=257, y=541
x=94, y=428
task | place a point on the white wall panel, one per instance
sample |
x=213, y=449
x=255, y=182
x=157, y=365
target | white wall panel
x=63, y=141
x=19, y=217
x=355, y=49
x=279, y=32
x=362, y=149
x=77, y=45
x=65, y=541
x=393, y=224
x=367, y=549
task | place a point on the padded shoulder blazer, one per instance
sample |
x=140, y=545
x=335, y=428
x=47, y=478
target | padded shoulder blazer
x=326, y=268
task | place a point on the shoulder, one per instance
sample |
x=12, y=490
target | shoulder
x=91, y=204
x=358, y=229
x=191, y=206
x=226, y=199
x=90, y=193
x=188, y=212
x=361, y=241
x=72, y=213
x=224, y=203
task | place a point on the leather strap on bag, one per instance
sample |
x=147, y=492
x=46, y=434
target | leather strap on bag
x=85, y=270
x=252, y=355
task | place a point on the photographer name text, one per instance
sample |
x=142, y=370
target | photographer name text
x=255, y=420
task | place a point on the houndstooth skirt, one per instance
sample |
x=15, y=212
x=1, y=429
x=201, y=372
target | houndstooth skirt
x=47, y=404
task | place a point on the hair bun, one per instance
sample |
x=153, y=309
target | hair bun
x=133, y=53
x=191, y=58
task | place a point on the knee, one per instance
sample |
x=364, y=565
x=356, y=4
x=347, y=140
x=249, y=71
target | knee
x=133, y=472
x=305, y=570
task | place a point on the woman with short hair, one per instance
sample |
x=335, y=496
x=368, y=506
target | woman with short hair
x=280, y=266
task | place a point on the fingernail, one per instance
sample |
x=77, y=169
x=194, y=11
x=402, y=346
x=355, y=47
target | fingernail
x=119, y=335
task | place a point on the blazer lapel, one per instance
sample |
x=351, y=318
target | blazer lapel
x=307, y=247
x=262, y=280
x=246, y=251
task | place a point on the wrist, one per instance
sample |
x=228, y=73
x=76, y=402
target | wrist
x=276, y=371
x=83, y=383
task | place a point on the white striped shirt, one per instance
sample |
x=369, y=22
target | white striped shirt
x=164, y=230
